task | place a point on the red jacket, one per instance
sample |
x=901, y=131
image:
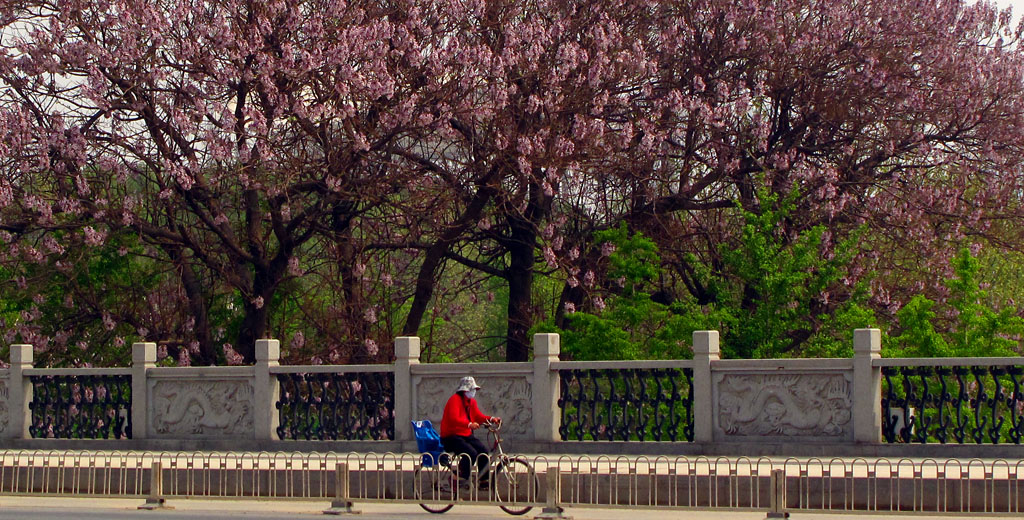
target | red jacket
x=458, y=413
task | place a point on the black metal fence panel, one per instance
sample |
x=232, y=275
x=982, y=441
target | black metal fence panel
x=953, y=404
x=638, y=404
x=337, y=406
x=81, y=407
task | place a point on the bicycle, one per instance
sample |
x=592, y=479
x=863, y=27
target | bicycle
x=512, y=479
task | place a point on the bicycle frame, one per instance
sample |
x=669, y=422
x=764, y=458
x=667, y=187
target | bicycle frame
x=499, y=463
x=493, y=432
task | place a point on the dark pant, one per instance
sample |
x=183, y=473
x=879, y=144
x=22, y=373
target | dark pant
x=472, y=448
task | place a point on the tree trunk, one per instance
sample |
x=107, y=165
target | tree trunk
x=256, y=322
x=570, y=294
x=200, y=314
x=354, y=329
x=435, y=256
x=196, y=305
x=254, y=327
x=424, y=288
x=520, y=287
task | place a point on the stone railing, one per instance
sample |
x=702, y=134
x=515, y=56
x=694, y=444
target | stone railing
x=705, y=404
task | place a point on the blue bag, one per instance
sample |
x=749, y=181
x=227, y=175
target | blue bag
x=428, y=442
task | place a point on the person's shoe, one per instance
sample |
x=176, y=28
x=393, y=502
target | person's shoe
x=485, y=484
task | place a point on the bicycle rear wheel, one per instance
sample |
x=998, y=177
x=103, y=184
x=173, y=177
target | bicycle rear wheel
x=434, y=484
x=515, y=481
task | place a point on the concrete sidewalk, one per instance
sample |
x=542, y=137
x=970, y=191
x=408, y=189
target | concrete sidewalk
x=87, y=508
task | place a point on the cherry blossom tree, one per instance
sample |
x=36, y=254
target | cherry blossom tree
x=905, y=117
x=550, y=72
x=329, y=161
x=227, y=134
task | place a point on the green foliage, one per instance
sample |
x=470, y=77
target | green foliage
x=834, y=338
x=632, y=326
x=773, y=284
x=975, y=329
x=769, y=297
x=635, y=260
x=69, y=303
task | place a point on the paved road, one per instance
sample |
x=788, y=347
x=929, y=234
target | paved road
x=33, y=508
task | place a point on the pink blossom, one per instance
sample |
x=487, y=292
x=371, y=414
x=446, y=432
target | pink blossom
x=370, y=315
x=108, y=321
x=549, y=257
x=93, y=237
x=184, y=359
x=293, y=267
x=232, y=356
x=371, y=347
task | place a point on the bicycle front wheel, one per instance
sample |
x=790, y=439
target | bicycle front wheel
x=434, y=484
x=514, y=481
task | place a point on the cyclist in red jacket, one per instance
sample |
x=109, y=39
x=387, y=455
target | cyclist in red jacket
x=461, y=417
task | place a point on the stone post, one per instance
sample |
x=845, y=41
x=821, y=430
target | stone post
x=705, y=350
x=407, y=354
x=19, y=393
x=143, y=358
x=867, y=386
x=546, y=387
x=266, y=389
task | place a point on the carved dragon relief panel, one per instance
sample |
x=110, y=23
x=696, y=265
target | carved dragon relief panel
x=508, y=397
x=808, y=405
x=200, y=407
x=5, y=413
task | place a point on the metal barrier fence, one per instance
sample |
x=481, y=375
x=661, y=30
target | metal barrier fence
x=935, y=401
x=814, y=485
x=626, y=404
x=336, y=406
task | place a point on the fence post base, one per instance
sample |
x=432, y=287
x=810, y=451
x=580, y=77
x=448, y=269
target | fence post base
x=155, y=500
x=341, y=508
x=777, y=502
x=553, y=492
x=341, y=505
x=553, y=512
x=155, y=503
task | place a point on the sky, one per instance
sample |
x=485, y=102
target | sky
x=1017, y=5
